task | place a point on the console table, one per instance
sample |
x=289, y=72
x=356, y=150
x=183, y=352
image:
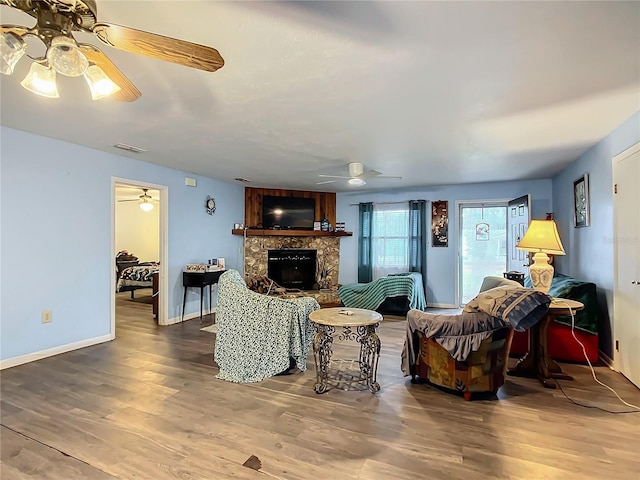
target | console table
x=199, y=280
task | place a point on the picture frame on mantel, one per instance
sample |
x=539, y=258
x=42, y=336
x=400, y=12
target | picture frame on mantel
x=581, y=202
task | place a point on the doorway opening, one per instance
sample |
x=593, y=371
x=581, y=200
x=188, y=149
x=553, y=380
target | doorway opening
x=482, y=244
x=139, y=253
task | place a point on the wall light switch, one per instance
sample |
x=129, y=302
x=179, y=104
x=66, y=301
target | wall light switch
x=47, y=316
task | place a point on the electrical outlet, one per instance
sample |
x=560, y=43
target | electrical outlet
x=47, y=316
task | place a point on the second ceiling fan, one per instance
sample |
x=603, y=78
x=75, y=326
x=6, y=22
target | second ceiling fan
x=357, y=175
x=56, y=20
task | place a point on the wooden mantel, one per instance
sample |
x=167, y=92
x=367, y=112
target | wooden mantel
x=256, y=232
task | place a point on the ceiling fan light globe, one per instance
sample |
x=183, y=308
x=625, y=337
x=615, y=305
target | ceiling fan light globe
x=99, y=83
x=357, y=182
x=41, y=80
x=66, y=58
x=12, y=48
x=146, y=206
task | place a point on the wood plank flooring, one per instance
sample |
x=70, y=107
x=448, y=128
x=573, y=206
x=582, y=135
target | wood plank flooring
x=147, y=406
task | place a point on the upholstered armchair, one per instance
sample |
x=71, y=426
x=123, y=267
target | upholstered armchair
x=469, y=352
x=259, y=336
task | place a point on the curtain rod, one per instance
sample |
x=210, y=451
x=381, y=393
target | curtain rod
x=381, y=203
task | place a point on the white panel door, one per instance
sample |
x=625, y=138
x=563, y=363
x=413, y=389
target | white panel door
x=518, y=219
x=626, y=202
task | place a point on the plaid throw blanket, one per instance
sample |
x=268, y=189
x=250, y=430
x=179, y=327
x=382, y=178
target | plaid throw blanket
x=371, y=295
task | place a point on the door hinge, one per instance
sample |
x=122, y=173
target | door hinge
x=615, y=188
x=617, y=346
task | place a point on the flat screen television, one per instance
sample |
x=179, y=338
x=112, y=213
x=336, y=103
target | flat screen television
x=288, y=212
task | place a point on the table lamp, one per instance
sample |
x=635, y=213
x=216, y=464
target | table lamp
x=541, y=238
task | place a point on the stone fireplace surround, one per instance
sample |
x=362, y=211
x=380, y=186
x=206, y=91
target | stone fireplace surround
x=328, y=253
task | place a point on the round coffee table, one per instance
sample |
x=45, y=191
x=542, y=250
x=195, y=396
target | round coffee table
x=365, y=323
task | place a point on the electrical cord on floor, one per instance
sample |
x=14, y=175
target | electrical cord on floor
x=558, y=301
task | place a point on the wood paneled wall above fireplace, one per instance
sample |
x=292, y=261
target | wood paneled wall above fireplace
x=325, y=203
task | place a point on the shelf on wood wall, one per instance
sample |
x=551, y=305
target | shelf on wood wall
x=254, y=232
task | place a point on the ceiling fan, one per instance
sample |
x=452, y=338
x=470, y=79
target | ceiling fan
x=357, y=176
x=56, y=20
x=145, y=200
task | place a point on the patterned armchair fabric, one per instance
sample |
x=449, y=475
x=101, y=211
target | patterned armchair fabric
x=479, y=367
x=257, y=334
x=483, y=370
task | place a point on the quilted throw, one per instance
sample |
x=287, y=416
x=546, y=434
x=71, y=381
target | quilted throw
x=258, y=334
x=371, y=295
x=138, y=275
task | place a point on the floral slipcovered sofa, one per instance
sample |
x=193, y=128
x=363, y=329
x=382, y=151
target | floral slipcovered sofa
x=259, y=336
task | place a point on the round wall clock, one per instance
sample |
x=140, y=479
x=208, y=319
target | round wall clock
x=210, y=205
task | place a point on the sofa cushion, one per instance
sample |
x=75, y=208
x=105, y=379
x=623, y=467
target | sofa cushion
x=521, y=307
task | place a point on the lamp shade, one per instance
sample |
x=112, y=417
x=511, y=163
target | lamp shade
x=542, y=236
x=66, y=58
x=146, y=206
x=100, y=84
x=41, y=80
x=12, y=48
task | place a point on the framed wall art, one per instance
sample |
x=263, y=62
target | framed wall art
x=581, y=201
x=440, y=223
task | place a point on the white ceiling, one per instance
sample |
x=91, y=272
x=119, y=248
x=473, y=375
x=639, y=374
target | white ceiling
x=437, y=92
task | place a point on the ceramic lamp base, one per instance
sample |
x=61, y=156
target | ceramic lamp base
x=541, y=272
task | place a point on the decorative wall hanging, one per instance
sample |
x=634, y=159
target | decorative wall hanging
x=440, y=223
x=581, y=201
x=210, y=205
x=482, y=232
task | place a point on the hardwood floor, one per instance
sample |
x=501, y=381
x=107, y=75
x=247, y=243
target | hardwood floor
x=147, y=406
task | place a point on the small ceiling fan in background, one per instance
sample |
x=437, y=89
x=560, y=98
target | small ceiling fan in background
x=56, y=20
x=145, y=200
x=357, y=176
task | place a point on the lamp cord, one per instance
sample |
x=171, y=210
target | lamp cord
x=593, y=373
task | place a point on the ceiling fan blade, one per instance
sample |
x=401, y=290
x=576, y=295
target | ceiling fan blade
x=369, y=174
x=332, y=176
x=326, y=181
x=15, y=29
x=128, y=92
x=160, y=47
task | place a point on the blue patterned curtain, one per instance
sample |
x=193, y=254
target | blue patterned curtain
x=418, y=239
x=365, y=232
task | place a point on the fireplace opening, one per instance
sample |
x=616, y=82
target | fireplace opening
x=292, y=268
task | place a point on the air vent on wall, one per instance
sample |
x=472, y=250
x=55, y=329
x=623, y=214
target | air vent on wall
x=243, y=180
x=129, y=148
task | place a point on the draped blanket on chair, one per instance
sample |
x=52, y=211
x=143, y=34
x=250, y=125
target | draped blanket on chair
x=258, y=335
x=371, y=295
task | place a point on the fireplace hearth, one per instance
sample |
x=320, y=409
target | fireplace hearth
x=293, y=268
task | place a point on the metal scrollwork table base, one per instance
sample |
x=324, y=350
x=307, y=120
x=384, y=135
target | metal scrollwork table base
x=361, y=326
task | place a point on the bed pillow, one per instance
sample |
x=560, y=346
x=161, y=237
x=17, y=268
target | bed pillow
x=521, y=307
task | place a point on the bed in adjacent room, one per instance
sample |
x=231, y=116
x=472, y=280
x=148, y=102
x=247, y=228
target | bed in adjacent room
x=137, y=276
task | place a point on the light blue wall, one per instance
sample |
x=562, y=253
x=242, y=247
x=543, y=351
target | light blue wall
x=590, y=249
x=56, y=237
x=441, y=276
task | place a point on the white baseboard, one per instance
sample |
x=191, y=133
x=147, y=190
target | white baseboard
x=606, y=359
x=441, y=305
x=188, y=316
x=50, y=352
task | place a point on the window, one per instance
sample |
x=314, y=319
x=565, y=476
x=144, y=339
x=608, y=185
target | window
x=390, y=239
